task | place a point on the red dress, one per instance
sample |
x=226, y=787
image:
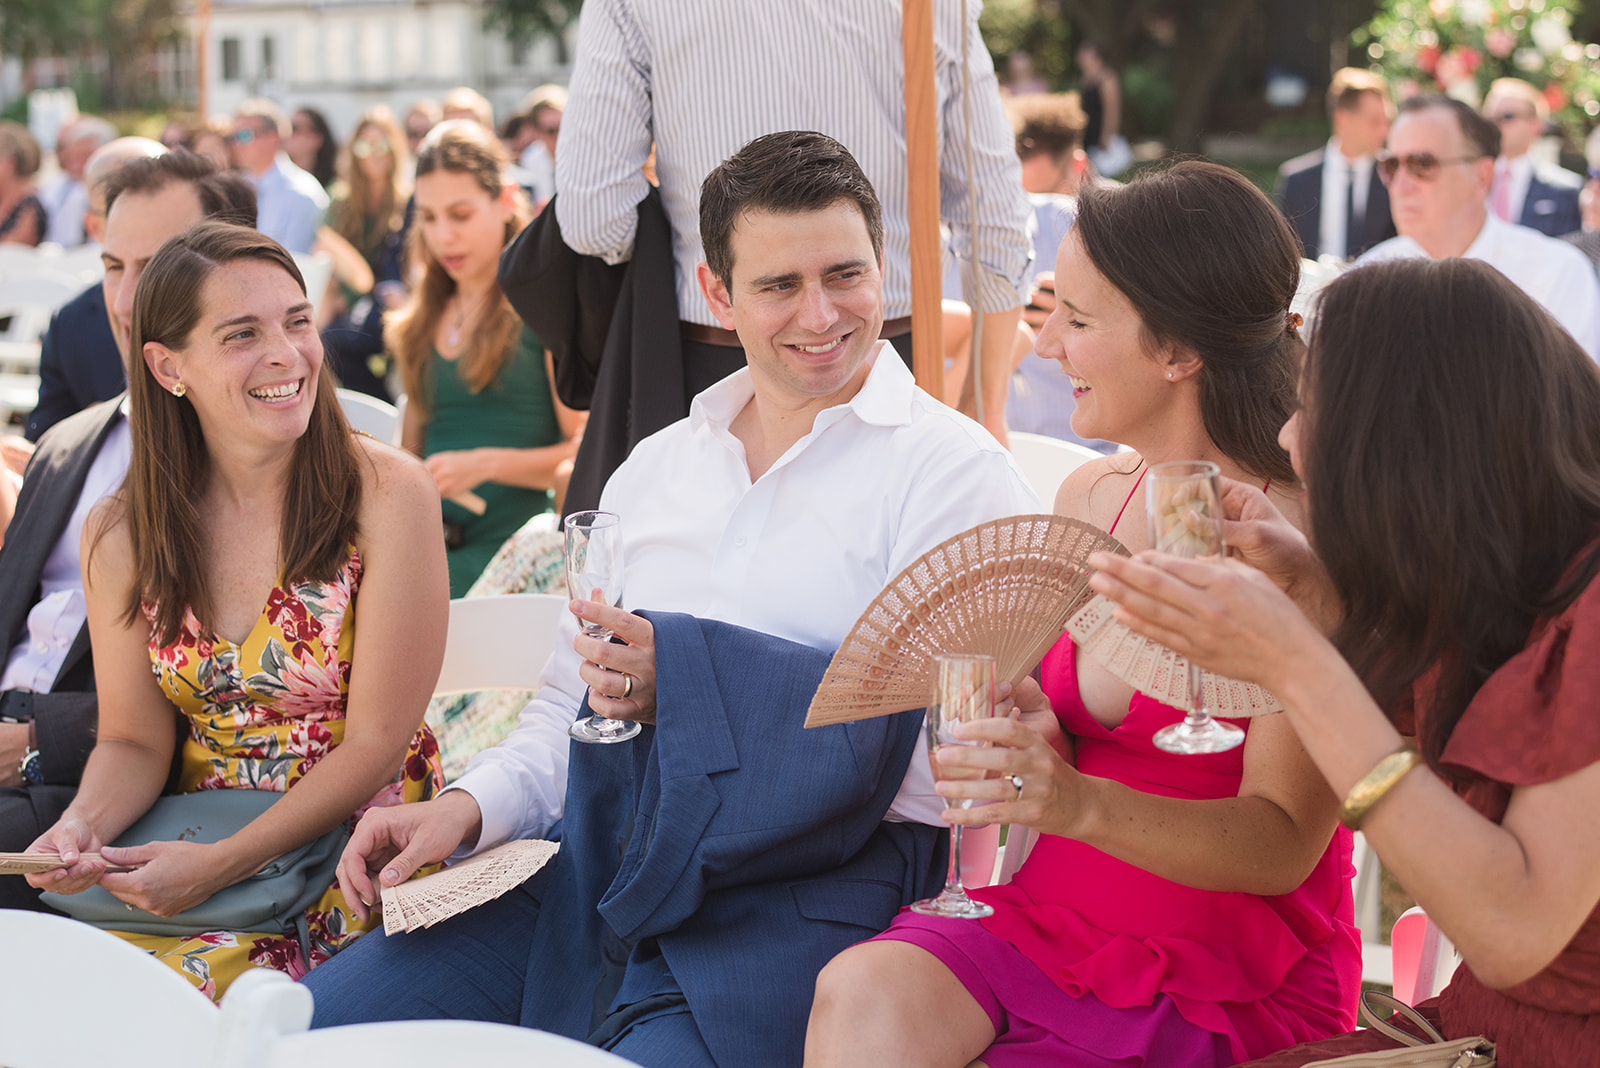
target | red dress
x=1535, y=720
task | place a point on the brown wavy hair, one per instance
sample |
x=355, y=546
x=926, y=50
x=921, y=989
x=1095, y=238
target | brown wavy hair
x=1451, y=448
x=170, y=460
x=1210, y=265
x=353, y=201
x=462, y=147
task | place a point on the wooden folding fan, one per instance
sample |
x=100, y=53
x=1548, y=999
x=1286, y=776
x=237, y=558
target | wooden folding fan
x=424, y=902
x=1006, y=588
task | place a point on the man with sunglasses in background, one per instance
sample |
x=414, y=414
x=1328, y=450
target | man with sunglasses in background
x=1439, y=168
x=1528, y=191
x=290, y=202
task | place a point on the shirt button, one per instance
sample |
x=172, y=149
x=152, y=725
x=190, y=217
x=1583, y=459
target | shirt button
x=740, y=541
x=41, y=647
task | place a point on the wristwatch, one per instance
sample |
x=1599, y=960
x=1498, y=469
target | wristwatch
x=29, y=767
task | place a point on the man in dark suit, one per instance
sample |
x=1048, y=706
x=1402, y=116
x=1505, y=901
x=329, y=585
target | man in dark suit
x=79, y=362
x=1333, y=197
x=708, y=867
x=48, y=708
x=1528, y=191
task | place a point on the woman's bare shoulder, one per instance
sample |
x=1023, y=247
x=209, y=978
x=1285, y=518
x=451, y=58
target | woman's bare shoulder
x=1095, y=491
x=394, y=483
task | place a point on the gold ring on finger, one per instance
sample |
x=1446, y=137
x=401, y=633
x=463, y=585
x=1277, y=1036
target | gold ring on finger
x=627, y=686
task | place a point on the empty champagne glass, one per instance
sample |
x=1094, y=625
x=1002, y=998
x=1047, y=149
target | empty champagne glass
x=595, y=573
x=1183, y=502
x=963, y=691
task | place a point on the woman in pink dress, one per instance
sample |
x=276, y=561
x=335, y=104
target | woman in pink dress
x=1177, y=910
x=1435, y=642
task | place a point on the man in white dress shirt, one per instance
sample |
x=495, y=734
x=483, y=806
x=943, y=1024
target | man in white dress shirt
x=1439, y=167
x=790, y=496
x=697, y=81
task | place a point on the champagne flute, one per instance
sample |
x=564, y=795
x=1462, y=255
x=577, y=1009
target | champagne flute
x=1183, y=503
x=963, y=691
x=595, y=573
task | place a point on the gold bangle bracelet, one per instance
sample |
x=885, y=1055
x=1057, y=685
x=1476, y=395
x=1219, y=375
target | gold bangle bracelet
x=1375, y=784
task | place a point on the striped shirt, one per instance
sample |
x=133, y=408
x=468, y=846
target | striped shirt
x=701, y=79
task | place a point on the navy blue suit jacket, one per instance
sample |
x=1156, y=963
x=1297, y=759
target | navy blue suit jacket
x=1300, y=199
x=720, y=859
x=1551, y=206
x=79, y=363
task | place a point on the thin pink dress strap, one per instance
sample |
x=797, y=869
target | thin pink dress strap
x=1129, y=501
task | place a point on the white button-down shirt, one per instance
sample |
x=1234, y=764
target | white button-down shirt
x=699, y=80
x=1550, y=271
x=799, y=553
x=53, y=623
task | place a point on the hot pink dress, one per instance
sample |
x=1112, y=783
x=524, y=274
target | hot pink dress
x=1162, y=973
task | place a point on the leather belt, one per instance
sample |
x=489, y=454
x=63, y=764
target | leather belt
x=715, y=335
x=16, y=706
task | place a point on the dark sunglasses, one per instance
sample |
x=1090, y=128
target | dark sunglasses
x=1512, y=116
x=1423, y=166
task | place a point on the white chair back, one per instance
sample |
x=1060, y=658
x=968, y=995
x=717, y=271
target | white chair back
x=29, y=302
x=370, y=415
x=1046, y=461
x=317, y=270
x=75, y=995
x=499, y=642
x=427, y=1043
x=1424, y=957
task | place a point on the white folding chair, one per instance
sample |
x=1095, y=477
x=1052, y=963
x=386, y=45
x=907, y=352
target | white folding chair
x=427, y=1044
x=499, y=642
x=370, y=415
x=1377, y=959
x=317, y=270
x=75, y=995
x=30, y=301
x=1046, y=461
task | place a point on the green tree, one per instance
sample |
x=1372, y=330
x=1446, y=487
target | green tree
x=528, y=20
x=125, y=32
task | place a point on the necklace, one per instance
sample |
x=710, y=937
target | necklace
x=452, y=332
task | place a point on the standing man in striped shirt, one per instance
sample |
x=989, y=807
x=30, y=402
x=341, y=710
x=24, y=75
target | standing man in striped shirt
x=701, y=80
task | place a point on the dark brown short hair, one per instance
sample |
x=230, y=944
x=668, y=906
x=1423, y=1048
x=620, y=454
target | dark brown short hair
x=170, y=456
x=1210, y=265
x=1479, y=133
x=225, y=195
x=784, y=173
x=1451, y=449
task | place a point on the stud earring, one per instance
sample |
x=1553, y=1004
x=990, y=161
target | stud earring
x=179, y=389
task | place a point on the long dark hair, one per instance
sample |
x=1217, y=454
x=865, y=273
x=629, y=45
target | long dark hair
x=1451, y=451
x=170, y=459
x=463, y=147
x=1209, y=265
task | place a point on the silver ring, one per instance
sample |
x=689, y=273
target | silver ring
x=627, y=687
x=1016, y=784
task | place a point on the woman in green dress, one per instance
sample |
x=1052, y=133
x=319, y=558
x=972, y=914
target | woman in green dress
x=481, y=410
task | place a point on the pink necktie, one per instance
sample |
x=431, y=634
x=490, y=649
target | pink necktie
x=1500, y=195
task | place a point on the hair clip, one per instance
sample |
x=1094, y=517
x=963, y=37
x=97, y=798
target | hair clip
x=1291, y=324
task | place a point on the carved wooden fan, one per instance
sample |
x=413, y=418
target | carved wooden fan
x=1006, y=587
x=1154, y=670
x=424, y=902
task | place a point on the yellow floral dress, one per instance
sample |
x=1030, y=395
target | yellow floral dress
x=261, y=714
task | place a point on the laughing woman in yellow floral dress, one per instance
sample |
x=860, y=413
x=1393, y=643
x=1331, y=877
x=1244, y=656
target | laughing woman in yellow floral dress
x=247, y=489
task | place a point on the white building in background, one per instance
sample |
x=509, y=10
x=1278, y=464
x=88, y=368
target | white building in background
x=344, y=56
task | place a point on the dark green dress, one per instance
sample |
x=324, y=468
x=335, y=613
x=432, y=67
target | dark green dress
x=516, y=412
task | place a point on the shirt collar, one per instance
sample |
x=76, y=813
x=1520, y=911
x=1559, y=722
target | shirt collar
x=1483, y=245
x=884, y=399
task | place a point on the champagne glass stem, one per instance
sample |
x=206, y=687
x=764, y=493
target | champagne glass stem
x=952, y=880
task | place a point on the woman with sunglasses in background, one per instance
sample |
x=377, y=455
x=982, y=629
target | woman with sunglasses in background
x=481, y=408
x=1439, y=169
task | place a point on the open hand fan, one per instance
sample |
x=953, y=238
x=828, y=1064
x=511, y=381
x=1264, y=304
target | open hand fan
x=1154, y=670
x=424, y=902
x=1005, y=588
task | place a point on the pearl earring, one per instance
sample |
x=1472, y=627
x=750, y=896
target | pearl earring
x=179, y=389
